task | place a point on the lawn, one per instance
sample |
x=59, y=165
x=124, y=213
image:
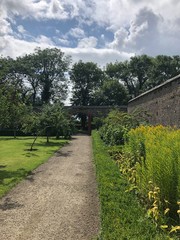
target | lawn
x=16, y=161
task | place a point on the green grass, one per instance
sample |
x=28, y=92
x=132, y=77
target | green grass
x=122, y=217
x=16, y=161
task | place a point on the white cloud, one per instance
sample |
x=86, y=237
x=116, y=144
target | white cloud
x=56, y=11
x=89, y=42
x=21, y=29
x=63, y=41
x=138, y=26
x=13, y=47
x=147, y=33
x=16, y=47
x=99, y=56
x=5, y=27
x=76, y=32
x=25, y=8
x=44, y=40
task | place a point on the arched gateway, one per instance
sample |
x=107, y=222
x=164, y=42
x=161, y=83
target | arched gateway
x=93, y=111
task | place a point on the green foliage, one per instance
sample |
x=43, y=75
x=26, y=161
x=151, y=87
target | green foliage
x=163, y=68
x=122, y=217
x=116, y=126
x=52, y=118
x=40, y=76
x=111, y=93
x=52, y=65
x=57, y=120
x=12, y=109
x=86, y=78
x=141, y=73
x=14, y=167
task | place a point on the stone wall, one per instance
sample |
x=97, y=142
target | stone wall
x=162, y=103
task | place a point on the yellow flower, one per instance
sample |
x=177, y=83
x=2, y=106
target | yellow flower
x=166, y=211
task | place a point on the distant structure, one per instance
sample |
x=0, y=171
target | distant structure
x=162, y=103
x=93, y=111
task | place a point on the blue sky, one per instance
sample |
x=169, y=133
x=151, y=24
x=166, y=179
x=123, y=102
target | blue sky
x=102, y=31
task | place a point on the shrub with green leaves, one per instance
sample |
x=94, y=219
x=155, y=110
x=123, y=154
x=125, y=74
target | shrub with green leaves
x=116, y=126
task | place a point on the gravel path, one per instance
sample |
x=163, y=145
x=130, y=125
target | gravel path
x=58, y=201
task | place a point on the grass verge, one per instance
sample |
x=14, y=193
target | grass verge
x=16, y=161
x=122, y=217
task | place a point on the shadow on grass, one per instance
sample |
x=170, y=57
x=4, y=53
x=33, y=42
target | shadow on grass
x=13, y=176
x=6, y=138
x=17, y=138
x=50, y=144
x=44, y=144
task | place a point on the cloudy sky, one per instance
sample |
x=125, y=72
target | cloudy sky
x=92, y=30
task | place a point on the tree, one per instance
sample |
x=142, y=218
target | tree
x=4, y=69
x=52, y=66
x=133, y=73
x=12, y=109
x=11, y=74
x=86, y=78
x=164, y=68
x=140, y=67
x=54, y=118
x=111, y=93
x=44, y=72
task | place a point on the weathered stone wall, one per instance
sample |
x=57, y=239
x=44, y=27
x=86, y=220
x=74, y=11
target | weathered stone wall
x=162, y=103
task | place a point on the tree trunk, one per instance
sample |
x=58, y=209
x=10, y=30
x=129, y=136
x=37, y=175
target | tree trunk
x=14, y=133
x=33, y=143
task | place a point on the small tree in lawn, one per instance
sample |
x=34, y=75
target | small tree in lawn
x=54, y=117
x=31, y=125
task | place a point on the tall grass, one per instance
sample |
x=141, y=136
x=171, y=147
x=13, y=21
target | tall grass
x=156, y=159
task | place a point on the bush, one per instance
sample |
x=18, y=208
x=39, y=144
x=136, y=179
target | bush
x=116, y=126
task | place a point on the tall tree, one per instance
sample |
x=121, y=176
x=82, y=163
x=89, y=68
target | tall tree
x=12, y=109
x=45, y=73
x=133, y=73
x=11, y=74
x=86, y=78
x=111, y=93
x=164, y=68
x=52, y=65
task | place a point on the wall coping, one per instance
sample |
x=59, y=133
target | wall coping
x=155, y=88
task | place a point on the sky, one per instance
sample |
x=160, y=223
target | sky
x=101, y=31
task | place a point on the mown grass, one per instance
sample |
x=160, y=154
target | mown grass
x=16, y=161
x=122, y=217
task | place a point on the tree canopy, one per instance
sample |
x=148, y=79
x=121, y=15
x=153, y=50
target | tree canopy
x=141, y=73
x=111, y=93
x=86, y=78
x=40, y=75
